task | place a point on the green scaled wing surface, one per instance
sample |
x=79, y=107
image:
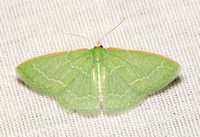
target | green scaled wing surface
x=84, y=80
x=66, y=76
x=131, y=75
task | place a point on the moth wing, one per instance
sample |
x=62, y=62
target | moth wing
x=67, y=76
x=132, y=75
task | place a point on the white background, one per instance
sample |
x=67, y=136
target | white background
x=169, y=27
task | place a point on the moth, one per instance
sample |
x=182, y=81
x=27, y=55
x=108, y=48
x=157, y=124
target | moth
x=86, y=81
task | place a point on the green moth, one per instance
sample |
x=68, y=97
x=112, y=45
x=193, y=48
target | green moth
x=86, y=81
x=110, y=79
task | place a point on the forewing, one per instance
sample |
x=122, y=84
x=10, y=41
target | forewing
x=132, y=75
x=67, y=76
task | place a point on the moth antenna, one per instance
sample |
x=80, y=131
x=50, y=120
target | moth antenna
x=80, y=37
x=98, y=42
x=112, y=30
